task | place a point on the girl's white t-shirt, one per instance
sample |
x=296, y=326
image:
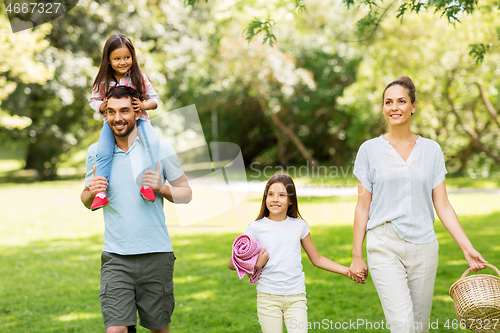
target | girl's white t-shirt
x=282, y=275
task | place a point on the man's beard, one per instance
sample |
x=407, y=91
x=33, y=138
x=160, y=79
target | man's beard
x=130, y=127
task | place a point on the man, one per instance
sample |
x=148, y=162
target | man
x=137, y=259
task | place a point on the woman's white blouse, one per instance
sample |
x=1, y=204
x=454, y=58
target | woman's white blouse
x=401, y=191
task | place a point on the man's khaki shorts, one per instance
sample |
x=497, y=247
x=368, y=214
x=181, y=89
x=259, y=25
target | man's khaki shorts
x=137, y=283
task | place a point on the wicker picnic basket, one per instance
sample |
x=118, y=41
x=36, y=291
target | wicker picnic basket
x=477, y=301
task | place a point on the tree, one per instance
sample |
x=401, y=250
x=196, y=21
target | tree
x=277, y=103
x=19, y=64
x=55, y=106
x=457, y=98
x=375, y=12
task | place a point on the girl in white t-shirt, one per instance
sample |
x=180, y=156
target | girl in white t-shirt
x=280, y=230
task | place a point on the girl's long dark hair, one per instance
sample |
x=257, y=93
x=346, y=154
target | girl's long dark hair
x=293, y=209
x=106, y=74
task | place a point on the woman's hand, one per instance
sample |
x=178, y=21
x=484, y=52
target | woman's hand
x=358, y=271
x=474, y=259
x=449, y=218
x=262, y=259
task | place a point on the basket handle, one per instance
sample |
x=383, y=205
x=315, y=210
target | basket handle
x=491, y=266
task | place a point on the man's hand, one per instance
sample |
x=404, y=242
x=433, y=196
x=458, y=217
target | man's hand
x=178, y=192
x=97, y=184
x=152, y=179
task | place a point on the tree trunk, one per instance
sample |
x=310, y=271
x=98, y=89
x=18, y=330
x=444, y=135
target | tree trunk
x=294, y=137
x=281, y=146
x=465, y=157
x=491, y=110
x=470, y=131
x=288, y=132
x=32, y=158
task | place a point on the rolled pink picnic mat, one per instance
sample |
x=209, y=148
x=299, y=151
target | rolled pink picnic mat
x=245, y=253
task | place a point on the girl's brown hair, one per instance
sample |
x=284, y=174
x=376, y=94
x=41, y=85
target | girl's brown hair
x=293, y=209
x=405, y=82
x=106, y=74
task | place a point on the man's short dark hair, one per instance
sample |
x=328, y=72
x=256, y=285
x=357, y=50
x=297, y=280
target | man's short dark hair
x=120, y=92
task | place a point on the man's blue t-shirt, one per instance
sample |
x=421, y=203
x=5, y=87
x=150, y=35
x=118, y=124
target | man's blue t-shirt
x=134, y=225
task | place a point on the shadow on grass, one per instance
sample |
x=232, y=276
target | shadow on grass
x=53, y=286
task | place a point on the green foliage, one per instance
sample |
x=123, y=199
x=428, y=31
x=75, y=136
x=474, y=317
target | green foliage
x=322, y=86
x=192, y=2
x=452, y=10
x=300, y=5
x=298, y=80
x=19, y=67
x=412, y=6
x=257, y=26
x=450, y=108
x=369, y=23
x=58, y=109
x=478, y=51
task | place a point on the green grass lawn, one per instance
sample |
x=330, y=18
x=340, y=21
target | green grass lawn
x=72, y=166
x=50, y=259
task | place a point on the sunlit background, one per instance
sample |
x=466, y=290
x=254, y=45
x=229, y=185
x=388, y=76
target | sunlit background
x=315, y=95
x=303, y=105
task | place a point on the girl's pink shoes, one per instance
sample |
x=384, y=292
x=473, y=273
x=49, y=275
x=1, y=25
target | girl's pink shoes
x=100, y=201
x=148, y=194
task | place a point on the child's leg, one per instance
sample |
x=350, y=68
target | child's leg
x=148, y=136
x=295, y=313
x=270, y=312
x=105, y=150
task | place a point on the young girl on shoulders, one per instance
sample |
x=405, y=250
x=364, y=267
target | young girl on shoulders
x=119, y=67
x=280, y=231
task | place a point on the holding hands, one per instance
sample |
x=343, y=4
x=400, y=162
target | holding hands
x=358, y=271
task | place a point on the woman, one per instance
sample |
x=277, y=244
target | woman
x=400, y=176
